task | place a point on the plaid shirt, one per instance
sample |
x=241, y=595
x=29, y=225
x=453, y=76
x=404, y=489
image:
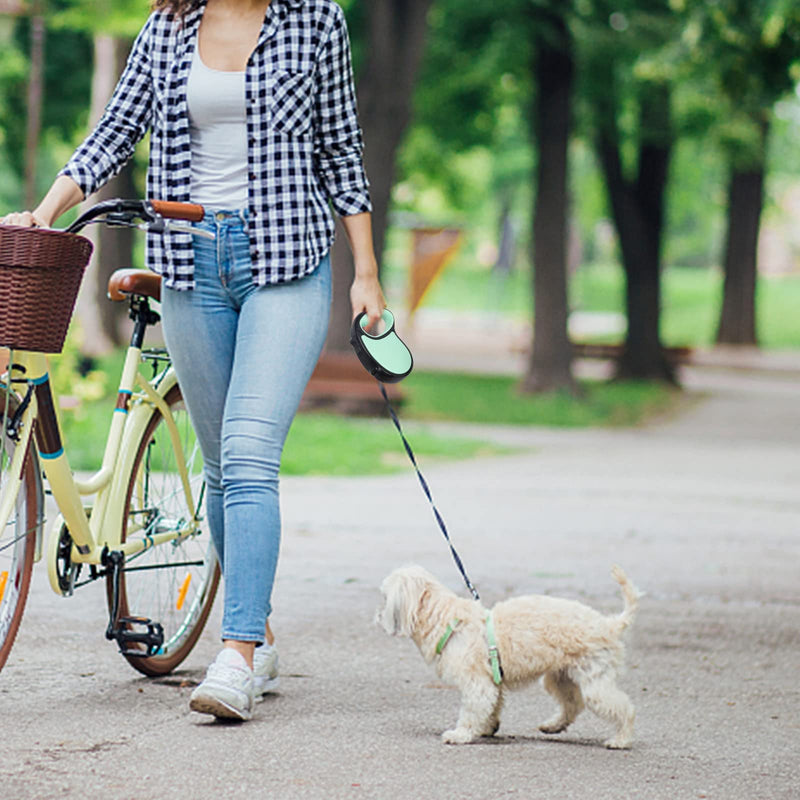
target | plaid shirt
x=304, y=140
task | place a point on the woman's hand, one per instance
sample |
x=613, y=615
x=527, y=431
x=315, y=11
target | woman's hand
x=62, y=195
x=366, y=295
x=25, y=219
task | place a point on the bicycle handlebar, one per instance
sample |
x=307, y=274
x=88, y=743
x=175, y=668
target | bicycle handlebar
x=190, y=212
x=152, y=213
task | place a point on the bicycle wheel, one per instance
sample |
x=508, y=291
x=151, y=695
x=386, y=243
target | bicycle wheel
x=18, y=535
x=172, y=583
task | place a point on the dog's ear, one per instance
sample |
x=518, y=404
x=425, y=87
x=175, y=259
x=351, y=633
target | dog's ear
x=401, y=600
x=388, y=616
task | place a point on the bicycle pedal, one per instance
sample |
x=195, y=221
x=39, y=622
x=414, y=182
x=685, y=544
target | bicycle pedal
x=152, y=637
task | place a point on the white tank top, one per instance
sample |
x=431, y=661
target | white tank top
x=218, y=126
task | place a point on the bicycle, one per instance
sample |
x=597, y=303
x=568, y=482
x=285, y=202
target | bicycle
x=143, y=533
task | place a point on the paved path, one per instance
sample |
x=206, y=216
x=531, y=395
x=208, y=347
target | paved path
x=702, y=511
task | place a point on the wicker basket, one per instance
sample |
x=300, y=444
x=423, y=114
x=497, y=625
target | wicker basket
x=40, y=274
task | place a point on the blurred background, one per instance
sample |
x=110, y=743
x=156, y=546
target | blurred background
x=572, y=198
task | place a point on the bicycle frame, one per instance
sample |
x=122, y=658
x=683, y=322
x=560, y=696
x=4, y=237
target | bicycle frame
x=96, y=533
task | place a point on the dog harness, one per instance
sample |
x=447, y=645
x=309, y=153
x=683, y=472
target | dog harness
x=494, y=654
x=449, y=631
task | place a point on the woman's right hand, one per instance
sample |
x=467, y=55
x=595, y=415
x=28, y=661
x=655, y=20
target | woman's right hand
x=25, y=219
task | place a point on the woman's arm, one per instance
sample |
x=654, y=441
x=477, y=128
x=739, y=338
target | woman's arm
x=62, y=196
x=365, y=293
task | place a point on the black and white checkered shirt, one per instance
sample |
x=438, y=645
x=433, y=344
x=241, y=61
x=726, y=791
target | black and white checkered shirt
x=304, y=140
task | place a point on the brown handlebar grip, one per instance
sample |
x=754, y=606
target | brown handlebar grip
x=191, y=212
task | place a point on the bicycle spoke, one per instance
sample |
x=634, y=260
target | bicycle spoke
x=174, y=582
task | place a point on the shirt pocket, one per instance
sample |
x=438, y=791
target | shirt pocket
x=291, y=102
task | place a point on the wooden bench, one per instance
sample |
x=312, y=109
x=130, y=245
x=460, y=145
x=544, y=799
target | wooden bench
x=612, y=352
x=340, y=383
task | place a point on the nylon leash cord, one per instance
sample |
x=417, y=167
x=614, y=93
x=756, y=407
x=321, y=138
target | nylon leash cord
x=428, y=494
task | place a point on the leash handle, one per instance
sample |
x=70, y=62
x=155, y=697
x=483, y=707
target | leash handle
x=428, y=494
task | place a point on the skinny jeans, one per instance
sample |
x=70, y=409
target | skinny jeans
x=243, y=355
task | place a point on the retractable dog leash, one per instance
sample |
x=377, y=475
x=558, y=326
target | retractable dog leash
x=387, y=358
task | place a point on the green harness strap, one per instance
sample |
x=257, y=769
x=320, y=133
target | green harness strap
x=494, y=656
x=449, y=631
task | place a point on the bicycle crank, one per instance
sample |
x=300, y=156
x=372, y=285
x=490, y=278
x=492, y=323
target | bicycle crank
x=128, y=631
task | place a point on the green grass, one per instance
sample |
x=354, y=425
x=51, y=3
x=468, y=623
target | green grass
x=321, y=444
x=691, y=299
x=318, y=443
x=496, y=400
x=324, y=444
x=327, y=444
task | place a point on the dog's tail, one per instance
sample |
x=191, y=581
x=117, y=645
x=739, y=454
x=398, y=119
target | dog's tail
x=631, y=595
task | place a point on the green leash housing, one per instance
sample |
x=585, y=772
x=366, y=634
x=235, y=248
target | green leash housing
x=385, y=355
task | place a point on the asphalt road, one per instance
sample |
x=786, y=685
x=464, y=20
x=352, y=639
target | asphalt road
x=703, y=512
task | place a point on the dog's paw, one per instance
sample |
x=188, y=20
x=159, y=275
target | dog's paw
x=458, y=736
x=618, y=743
x=556, y=725
x=552, y=727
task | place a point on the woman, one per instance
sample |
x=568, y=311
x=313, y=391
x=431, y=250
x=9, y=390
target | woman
x=251, y=109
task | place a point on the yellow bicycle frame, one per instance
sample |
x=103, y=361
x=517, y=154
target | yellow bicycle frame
x=94, y=534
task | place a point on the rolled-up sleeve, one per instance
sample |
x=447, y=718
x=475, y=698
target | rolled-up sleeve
x=125, y=121
x=338, y=142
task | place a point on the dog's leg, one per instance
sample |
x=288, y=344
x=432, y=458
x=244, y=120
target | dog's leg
x=612, y=704
x=568, y=695
x=494, y=720
x=479, y=716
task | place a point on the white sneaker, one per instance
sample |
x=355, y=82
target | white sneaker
x=265, y=670
x=227, y=690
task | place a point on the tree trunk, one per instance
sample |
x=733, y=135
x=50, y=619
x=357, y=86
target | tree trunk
x=113, y=246
x=385, y=89
x=737, y=324
x=35, y=95
x=638, y=210
x=551, y=353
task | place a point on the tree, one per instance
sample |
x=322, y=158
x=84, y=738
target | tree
x=747, y=55
x=618, y=80
x=508, y=91
x=112, y=27
x=553, y=70
x=113, y=246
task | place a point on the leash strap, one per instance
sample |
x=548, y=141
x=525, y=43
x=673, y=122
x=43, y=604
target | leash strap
x=427, y=491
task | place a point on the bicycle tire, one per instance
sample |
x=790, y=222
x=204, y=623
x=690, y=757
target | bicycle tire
x=18, y=538
x=179, y=598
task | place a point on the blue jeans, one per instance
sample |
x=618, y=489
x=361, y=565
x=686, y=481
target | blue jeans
x=243, y=355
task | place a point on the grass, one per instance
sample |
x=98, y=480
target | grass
x=324, y=444
x=327, y=444
x=691, y=298
x=496, y=400
x=321, y=444
x=318, y=444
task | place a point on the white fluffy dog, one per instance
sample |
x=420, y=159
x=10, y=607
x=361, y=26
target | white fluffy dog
x=578, y=651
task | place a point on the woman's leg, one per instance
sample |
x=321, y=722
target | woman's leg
x=274, y=336
x=200, y=333
x=281, y=330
